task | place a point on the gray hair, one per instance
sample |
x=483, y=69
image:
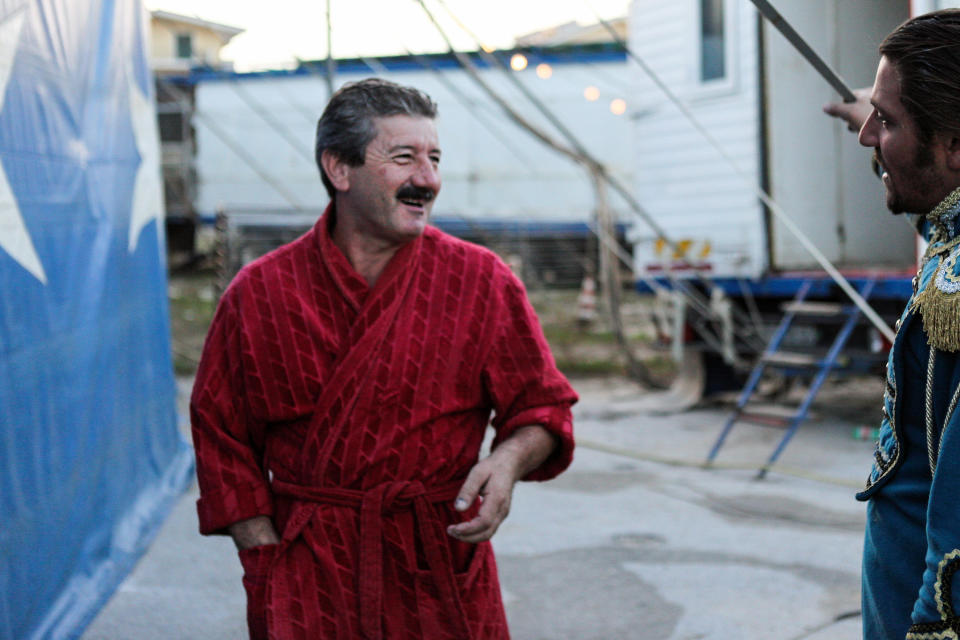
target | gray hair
x=347, y=125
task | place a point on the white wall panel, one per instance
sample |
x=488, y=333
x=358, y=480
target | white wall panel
x=685, y=184
x=491, y=167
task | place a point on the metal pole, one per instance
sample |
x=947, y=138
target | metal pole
x=771, y=14
x=331, y=65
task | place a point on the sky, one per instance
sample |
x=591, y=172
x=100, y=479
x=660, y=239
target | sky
x=280, y=31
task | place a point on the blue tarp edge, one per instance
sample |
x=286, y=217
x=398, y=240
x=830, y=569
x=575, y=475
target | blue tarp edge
x=84, y=597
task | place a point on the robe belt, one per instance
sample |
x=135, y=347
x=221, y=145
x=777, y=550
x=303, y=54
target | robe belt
x=393, y=497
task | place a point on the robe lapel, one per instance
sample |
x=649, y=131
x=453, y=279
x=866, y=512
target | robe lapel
x=378, y=312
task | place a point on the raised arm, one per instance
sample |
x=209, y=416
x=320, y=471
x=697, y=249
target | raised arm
x=853, y=113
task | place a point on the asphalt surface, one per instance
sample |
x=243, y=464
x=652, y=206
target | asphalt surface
x=635, y=541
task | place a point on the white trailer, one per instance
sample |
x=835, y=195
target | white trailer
x=493, y=171
x=731, y=73
x=501, y=186
x=761, y=101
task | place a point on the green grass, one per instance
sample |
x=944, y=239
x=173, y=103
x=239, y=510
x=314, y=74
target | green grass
x=565, y=334
x=578, y=352
x=191, y=309
x=578, y=367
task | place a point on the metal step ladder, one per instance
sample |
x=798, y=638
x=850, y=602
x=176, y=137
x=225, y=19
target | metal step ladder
x=795, y=364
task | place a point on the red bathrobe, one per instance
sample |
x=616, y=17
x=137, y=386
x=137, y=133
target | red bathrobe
x=351, y=416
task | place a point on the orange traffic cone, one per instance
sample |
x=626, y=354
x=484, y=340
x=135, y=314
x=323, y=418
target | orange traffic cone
x=587, y=302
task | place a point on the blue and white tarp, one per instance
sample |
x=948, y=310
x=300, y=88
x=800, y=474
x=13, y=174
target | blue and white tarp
x=91, y=459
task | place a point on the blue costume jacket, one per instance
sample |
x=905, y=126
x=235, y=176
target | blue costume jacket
x=912, y=542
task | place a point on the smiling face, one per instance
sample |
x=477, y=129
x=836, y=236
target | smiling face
x=914, y=171
x=388, y=199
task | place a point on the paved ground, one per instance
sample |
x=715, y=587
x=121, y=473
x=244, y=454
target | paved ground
x=634, y=542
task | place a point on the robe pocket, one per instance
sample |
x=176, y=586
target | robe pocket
x=479, y=592
x=256, y=563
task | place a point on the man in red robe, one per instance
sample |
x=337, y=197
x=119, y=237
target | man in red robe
x=344, y=391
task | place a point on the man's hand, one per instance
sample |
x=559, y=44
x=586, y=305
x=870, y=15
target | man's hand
x=853, y=113
x=492, y=481
x=253, y=532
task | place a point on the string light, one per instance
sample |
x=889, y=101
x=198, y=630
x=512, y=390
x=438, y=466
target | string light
x=518, y=62
x=618, y=106
x=591, y=93
x=544, y=71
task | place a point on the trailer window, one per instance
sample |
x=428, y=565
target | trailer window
x=712, y=40
x=184, y=46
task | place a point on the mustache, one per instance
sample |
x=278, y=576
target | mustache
x=877, y=163
x=413, y=192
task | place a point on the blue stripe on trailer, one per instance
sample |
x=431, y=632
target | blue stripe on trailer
x=575, y=54
x=895, y=286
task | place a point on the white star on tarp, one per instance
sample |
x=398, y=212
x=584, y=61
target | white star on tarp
x=14, y=238
x=147, y=202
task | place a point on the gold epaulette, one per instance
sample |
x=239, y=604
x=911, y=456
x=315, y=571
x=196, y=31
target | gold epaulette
x=939, y=302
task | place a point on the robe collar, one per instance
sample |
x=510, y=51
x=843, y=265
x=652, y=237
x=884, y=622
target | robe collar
x=351, y=284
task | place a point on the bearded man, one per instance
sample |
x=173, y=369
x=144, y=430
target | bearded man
x=344, y=391
x=912, y=543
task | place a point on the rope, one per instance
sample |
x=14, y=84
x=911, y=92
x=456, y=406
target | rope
x=580, y=155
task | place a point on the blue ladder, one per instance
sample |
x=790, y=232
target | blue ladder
x=794, y=363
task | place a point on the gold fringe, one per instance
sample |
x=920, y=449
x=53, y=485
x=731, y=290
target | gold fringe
x=941, y=315
x=940, y=309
